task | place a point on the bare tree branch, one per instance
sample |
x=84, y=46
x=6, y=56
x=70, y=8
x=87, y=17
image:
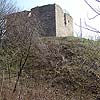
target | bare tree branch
x=90, y=18
x=98, y=0
x=92, y=7
x=21, y=66
x=89, y=29
x=6, y=7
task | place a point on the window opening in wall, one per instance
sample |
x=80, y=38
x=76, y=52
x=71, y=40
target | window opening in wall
x=65, y=21
x=29, y=15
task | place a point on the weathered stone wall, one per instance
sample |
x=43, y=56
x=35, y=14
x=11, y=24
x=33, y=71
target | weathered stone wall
x=64, y=23
x=47, y=20
x=41, y=20
x=16, y=22
x=69, y=25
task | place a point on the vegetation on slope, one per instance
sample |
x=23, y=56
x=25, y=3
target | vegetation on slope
x=59, y=69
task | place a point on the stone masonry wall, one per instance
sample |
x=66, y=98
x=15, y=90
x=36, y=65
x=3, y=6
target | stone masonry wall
x=16, y=22
x=47, y=20
x=64, y=23
x=69, y=25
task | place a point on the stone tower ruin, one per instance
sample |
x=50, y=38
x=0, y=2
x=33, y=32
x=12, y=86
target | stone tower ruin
x=47, y=20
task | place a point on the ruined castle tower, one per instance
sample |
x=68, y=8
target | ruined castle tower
x=47, y=20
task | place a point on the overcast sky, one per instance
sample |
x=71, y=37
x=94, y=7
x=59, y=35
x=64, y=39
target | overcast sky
x=72, y=6
x=77, y=9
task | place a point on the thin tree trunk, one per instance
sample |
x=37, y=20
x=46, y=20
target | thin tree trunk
x=2, y=82
x=21, y=67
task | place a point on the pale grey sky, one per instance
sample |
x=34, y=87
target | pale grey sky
x=72, y=6
x=77, y=9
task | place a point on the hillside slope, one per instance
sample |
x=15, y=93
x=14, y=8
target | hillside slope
x=64, y=69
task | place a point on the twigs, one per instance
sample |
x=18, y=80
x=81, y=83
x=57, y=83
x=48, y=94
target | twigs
x=89, y=29
x=21, y=65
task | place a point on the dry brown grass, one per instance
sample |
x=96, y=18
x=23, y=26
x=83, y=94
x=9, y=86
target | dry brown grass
x=76, y=77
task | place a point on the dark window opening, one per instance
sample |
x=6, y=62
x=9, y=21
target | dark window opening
x=65, y=22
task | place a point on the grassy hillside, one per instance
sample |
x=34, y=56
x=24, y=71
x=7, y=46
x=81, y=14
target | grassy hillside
x=59, y=69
